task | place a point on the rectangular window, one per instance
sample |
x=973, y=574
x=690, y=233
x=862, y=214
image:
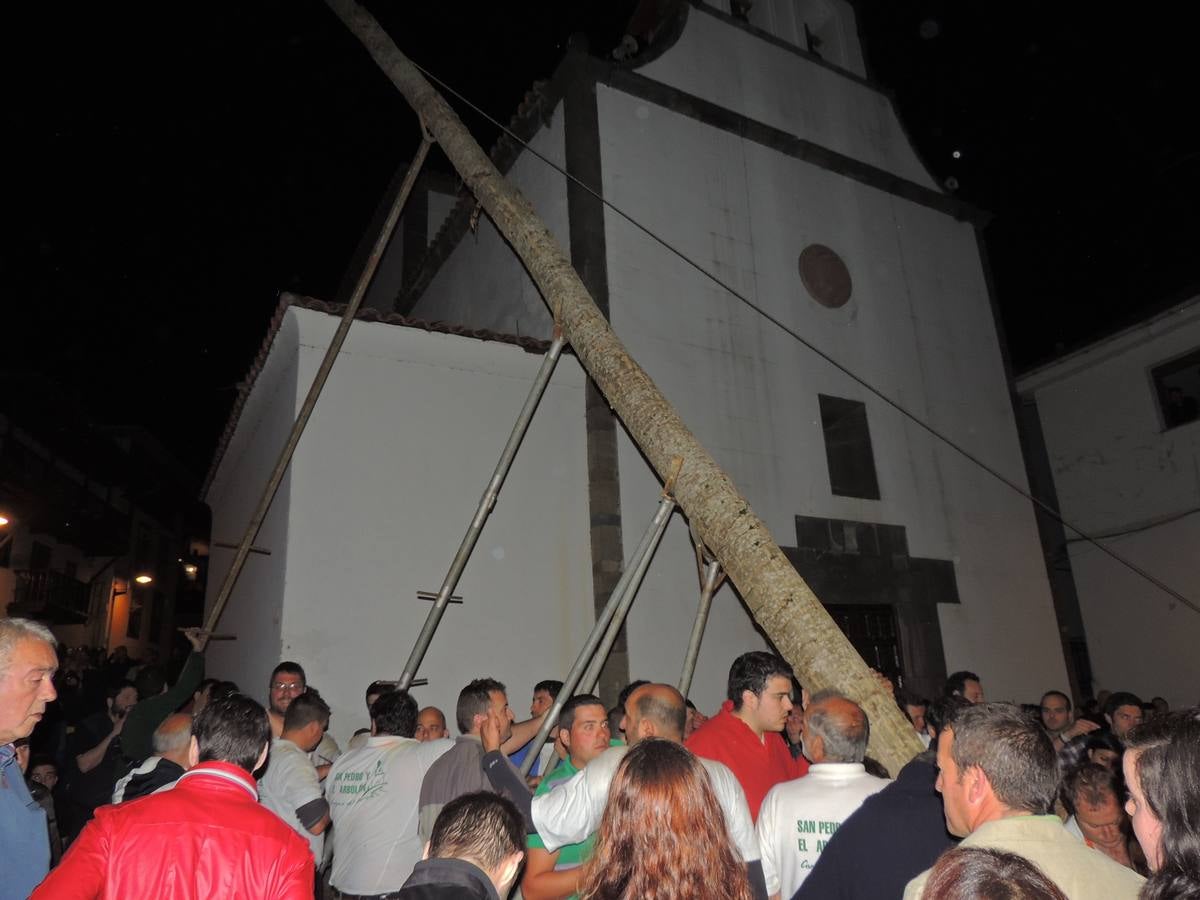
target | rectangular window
x=848, y=448
x=1177, y=389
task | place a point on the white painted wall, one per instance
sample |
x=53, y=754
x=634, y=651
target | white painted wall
x=832, y=22
x=255, y=609
x=505, y=299
x=383, y=486
x=770, y=84
x=919, y=325
x=1116, y=470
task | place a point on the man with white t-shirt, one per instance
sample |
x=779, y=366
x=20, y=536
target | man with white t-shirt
x=373, y=792
x=291, y=786
x=799, y=817
x=568, y=814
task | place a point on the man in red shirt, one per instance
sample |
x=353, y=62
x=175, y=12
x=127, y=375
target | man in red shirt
x=205, y=837
x=744, y=735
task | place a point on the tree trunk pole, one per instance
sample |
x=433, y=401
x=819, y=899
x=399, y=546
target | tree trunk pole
x=778, y=597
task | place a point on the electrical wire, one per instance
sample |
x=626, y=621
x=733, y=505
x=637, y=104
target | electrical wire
x=782, y=326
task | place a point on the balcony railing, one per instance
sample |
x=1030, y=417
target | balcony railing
x=49, y=594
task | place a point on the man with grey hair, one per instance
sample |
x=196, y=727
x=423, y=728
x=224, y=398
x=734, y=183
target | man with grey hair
x=798, y=817
x=171, y=741
x=27, y=666
x=998, y=774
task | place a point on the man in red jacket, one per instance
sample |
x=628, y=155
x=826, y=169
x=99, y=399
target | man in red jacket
x=205, y=837
x=744, y=735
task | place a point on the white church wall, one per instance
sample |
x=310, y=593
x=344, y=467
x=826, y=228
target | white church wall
x=1118, y=472
x=255, y=608
x=385, y=482
x=505, y=299
x=831, y=23
x=919, y=324
x=770, y=84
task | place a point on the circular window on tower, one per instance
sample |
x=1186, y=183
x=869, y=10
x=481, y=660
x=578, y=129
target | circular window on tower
x=825, y=276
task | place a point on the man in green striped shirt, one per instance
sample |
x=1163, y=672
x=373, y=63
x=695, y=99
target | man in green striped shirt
x=583, y=733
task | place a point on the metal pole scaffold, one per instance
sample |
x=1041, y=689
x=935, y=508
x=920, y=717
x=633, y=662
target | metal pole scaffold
x=599, y=632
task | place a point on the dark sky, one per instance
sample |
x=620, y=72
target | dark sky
x=177, y=165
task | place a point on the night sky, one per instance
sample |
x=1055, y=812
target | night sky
x=178, y=165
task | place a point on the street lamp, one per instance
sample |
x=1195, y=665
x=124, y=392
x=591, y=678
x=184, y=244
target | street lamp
x=143, y=578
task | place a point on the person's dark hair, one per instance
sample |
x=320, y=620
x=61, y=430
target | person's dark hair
x=377, y=689
x=150, y=681
x=1065, y=698
x=475, y=700
x=627, y=690
x=662, y=708
x=312, y=709
x=750, y=672
x=566, y=718
x=40, y=759
x=615, y=715
x=1167, y=762
x=550, y=686
x=957, y=683
x=904, y=700
x=663, y=833
x=395, y=712
x=980, y=873
x=1091, y=783
x=205, y=685
x=287, y=667
x=221, y=690
x=1011, y=749
x=1121, y=698
x=941, y=711
x=482, y=827
x=233, y=730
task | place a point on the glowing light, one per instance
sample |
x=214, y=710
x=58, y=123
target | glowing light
x=957, y=154
x=143, y=579
x=190, y=569
x=3, y=521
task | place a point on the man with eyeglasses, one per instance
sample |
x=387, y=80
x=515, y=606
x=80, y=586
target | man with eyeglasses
x=288, y=682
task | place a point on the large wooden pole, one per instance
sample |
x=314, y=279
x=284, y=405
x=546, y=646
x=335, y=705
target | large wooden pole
x=781, y=602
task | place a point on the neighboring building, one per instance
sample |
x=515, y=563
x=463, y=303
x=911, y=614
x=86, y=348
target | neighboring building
x=1114, y=438
x=90, y=508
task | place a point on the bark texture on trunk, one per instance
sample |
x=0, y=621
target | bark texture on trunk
x=778, y=597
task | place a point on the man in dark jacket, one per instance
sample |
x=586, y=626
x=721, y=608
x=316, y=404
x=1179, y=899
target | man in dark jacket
x=474, y=853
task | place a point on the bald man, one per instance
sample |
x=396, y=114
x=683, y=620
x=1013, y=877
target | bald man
x=431, y=724
x=170, y=741
x=798, y=817
x=572, y=811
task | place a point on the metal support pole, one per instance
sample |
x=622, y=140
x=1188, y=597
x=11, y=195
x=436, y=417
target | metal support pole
x=335, y=346
x=486, y=502
x=596, y=666
x=712, y=579
x=599, y=632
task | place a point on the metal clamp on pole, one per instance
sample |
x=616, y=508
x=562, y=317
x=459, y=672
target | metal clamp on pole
x=606, y=622
x=430, y=595
x=486, y=502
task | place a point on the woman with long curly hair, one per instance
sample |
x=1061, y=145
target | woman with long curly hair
x=663, y=835
x=1162, y=773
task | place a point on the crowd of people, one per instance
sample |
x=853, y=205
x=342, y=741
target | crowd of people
x=117, y=780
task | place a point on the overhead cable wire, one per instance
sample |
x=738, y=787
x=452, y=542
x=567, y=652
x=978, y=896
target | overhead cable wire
x=787, y=329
